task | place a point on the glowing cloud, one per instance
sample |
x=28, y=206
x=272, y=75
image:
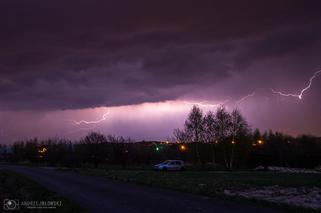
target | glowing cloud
x=202, y=104
x=159, y=108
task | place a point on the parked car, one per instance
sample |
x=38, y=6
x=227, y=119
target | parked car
x=173, y=165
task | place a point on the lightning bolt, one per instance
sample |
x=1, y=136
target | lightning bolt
x=245, y=97
x=85, y=125
x=94, y=123
x=299, y=95
x=104, y=117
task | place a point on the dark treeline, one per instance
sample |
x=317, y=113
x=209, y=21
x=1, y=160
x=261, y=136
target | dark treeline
x=227, y=140
x=221, y=140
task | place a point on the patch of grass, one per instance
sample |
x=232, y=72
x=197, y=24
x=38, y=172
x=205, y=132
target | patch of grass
x=212, y=180
x=212, y=183
x=15, y=186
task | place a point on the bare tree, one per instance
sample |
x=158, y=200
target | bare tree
x=181, y=136
x=93, y=141
x=194, y=124
x=209, y=132
x=93, y=137
x=209, y=127
x=239, y=126
x=257, y=135
x=120, y=149
x=223, y=127
x=223, y=124
x=194, y=127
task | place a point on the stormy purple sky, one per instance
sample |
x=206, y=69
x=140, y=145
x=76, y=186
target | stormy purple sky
x=144, y=63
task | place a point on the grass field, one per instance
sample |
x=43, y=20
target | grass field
x=15, y=186
x=209, y=182
x=212, y=183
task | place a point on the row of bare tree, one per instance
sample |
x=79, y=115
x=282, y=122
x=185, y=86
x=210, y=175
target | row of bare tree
x=221, y=127
x=220, y=138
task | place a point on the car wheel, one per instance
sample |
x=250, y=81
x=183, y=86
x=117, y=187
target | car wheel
x=164, y=169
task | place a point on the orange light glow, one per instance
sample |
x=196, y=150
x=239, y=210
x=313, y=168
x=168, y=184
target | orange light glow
x=182, y=147
x=42, y=150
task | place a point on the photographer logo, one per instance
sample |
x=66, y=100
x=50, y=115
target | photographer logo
x=10, y=204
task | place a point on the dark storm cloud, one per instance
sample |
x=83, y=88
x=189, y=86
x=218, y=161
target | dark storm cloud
x=78, y=54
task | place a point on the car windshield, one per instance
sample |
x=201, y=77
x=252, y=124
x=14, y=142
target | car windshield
x=166, y=162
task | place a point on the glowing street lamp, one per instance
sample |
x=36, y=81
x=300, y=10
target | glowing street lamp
x=260, y=142
x=182, y=147
x=42, y=150
x=158, y=147
x=233, y=142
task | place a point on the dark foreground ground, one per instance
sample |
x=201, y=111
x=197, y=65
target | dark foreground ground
x=98, y=194
x=16, y=187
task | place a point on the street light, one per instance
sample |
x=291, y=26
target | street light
x=42, y=150
x=260, y=142
x=182, y=147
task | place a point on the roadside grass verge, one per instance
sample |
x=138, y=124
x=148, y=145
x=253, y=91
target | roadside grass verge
x=211, y=183
x=15, y=186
